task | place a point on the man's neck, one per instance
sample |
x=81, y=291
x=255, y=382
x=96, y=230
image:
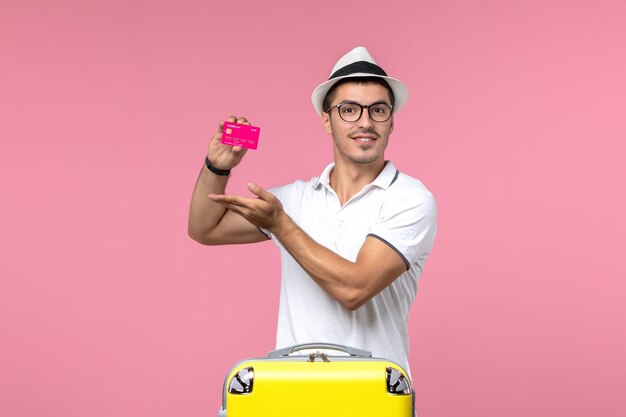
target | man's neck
x=347, y=180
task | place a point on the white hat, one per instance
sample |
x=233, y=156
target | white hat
x=358, y=63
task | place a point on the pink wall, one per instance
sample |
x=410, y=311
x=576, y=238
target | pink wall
x=516, y=123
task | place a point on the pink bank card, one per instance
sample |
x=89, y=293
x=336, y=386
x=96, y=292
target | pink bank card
x=235, y=134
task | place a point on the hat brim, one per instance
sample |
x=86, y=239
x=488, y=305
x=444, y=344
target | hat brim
x=400, y=91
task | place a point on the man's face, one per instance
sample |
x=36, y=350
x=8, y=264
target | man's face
x=363, y=141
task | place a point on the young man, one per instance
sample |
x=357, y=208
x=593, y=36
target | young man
x=354, y=240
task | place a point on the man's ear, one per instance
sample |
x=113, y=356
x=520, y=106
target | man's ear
x=391, y=126
x=326, y=125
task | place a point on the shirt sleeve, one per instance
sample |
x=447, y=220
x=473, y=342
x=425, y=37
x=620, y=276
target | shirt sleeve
x=408, y=224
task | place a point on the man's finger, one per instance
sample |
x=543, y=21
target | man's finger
x=260, y=191
x=221, y=198
x=239, y=150
x=243, y=211
x=228, y=204
x=231, y=199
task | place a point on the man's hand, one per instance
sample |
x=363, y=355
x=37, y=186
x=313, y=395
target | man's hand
x=265, y=212
x=351, y=283
x=210, y=223
x=225, y=156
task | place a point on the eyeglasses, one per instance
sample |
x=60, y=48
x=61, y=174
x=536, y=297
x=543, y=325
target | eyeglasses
x=351, y=112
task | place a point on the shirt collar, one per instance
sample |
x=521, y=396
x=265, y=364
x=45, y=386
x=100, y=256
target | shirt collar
x=387, y=176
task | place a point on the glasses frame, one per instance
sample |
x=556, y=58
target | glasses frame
x=369, y=113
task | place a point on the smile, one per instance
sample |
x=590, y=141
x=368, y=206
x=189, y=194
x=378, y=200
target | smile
x=364, y=139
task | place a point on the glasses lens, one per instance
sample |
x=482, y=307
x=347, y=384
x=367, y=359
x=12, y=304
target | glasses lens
x=350, y=112
x=380, y=112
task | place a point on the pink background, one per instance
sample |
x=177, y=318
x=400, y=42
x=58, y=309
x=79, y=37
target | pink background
x=516, y=123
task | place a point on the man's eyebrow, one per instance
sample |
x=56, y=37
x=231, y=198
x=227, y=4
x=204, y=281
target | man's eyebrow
x=356, y=102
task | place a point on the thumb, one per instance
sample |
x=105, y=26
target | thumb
x=239, y=151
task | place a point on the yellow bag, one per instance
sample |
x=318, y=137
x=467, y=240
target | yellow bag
x=326, y=381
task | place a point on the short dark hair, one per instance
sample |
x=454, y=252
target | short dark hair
x=330, y=96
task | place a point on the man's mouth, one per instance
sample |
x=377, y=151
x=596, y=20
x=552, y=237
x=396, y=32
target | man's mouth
x=364, y=138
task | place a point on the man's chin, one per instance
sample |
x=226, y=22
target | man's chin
x=366, y=159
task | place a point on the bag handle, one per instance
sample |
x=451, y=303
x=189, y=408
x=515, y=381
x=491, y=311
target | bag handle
x=325, y=346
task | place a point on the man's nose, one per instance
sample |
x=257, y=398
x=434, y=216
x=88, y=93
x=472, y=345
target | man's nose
x=365, y=120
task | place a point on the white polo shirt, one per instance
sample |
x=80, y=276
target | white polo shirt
x=395, y=208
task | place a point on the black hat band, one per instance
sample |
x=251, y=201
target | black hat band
x=359, y=67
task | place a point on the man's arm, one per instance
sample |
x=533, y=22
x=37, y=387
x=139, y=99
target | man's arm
x=211, y=223
x=351, y=283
